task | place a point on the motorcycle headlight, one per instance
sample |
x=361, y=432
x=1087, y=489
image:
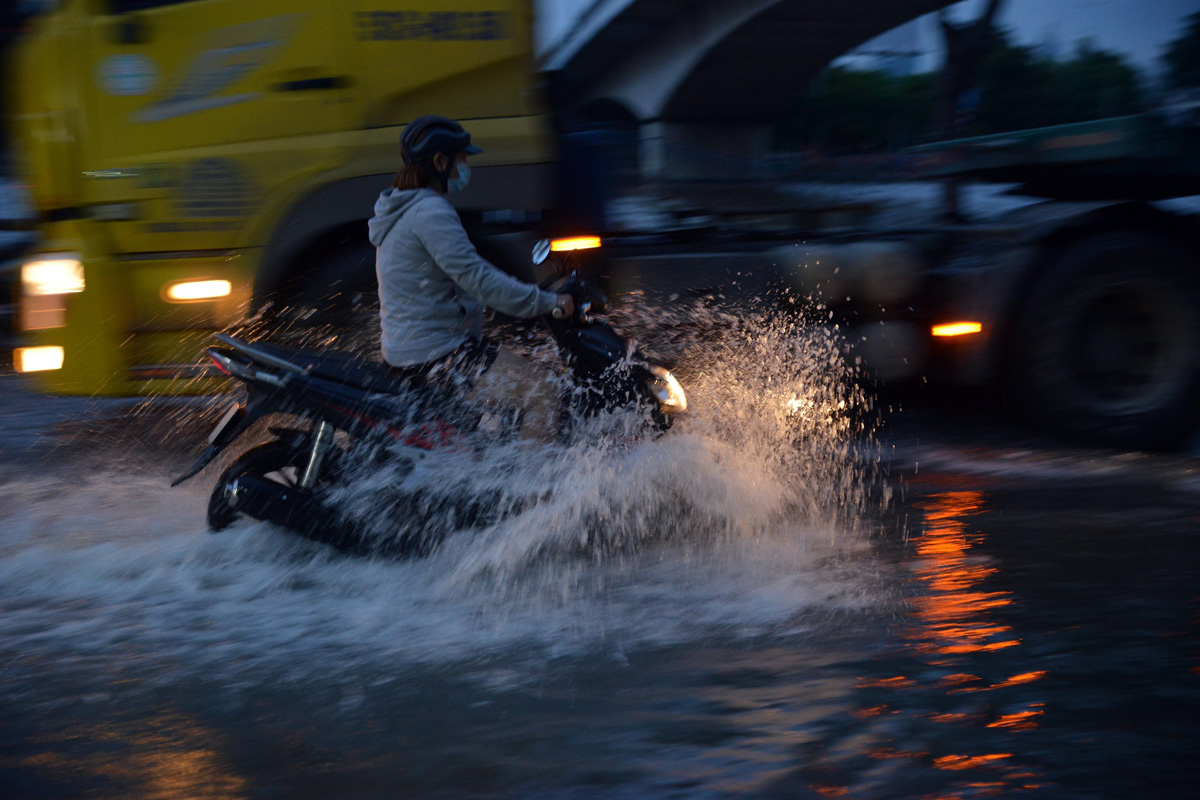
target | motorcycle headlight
x=666, y=388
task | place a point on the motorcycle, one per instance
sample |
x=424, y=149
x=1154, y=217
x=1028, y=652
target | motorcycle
x=344, y=409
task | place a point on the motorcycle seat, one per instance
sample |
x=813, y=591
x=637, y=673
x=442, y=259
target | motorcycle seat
x=348, y=369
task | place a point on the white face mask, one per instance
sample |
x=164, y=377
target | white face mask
x=456, y=185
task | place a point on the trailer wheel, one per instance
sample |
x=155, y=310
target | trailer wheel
x=1107, y=348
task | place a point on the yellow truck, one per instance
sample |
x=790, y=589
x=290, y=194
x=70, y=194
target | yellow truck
x=190, y=158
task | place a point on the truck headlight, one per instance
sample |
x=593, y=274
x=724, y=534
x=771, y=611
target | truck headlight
x=37, y=359
x=50, y=274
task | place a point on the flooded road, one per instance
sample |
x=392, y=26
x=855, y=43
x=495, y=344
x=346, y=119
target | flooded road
x=999, y=616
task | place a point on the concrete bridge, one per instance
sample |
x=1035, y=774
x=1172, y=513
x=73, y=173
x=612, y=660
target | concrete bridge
x=689, y=76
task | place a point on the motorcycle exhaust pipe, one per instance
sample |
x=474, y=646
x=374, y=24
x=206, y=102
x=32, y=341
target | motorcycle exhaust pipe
x=288, y=507
x=267, y=501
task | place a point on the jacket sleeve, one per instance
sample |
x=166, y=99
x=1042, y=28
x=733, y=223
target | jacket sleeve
x=441, y=233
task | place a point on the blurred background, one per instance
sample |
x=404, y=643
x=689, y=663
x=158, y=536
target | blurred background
x=928, y=272
x=950, y=181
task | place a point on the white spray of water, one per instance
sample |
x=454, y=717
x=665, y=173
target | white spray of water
x=740, y=518
x=773, y=434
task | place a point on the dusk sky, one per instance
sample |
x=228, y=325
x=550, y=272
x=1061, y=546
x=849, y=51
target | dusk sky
x=1137, y=28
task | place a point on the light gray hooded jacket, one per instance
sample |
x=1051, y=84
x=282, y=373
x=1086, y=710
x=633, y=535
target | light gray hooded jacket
x=432, y=281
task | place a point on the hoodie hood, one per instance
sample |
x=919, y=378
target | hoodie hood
x=390, y=207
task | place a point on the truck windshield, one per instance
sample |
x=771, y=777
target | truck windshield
x=28, y=9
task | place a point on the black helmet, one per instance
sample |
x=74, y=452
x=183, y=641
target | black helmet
x=427, y=136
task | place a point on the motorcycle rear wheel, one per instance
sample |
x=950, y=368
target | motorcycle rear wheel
x=281, y=462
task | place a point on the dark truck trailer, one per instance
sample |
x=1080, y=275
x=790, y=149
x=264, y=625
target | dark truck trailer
x=1087, y=304
x=1083, y=309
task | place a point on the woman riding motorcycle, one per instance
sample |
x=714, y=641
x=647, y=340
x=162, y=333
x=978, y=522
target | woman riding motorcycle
x=433, y=285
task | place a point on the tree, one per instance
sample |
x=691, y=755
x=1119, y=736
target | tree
x=1183, y=56
x=1096, y=83
x=1016, y=88
x=849, y=110
x=1023, y=90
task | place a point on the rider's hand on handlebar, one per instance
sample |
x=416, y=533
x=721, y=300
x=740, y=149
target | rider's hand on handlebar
x=565, y=307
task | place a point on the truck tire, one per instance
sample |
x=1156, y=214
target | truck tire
x=331, y=298
x=1107, y=347
x=337, y=277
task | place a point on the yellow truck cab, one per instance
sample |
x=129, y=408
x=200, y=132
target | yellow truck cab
x=188, y=158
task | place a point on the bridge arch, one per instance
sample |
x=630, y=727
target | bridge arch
x=713, y=74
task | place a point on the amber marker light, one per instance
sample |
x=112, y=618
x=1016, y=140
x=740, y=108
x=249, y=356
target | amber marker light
x=957, y=329
x=198, y=290
x=575, y=243
x=37, y=359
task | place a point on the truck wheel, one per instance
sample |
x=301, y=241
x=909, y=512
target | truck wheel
x=1107, y=347
x=334, y=294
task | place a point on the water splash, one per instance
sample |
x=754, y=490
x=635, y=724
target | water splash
x=745, y=515
x=777, y=432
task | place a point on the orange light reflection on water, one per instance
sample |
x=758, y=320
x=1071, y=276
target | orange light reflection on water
x=956, y=619
x=169, y=757
x=1020, y=721
x=955, y=628
x=873, y=711
x=898, y=682
x=955, y=613
x=968, y=762
x=1015, y=680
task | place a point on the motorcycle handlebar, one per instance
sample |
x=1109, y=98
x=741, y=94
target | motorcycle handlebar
x=588, y=299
